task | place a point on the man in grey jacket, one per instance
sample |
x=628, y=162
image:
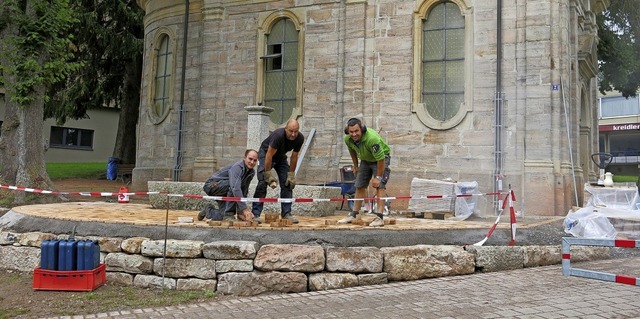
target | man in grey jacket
x=232, y=181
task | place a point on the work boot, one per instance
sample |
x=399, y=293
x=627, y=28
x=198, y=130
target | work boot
x=289, y=216
x=378, y=222
x=202, y=214
x=349, y=219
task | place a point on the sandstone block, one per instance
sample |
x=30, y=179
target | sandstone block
x=256, y=283
x=34, y=239
x=185, y=267
x=149, y=281
x=587, y=253
x=133, y=245
x=174, y=249
x=8, y=238
x=372, y=279
x=108, y=244
x=496, y=258
x=121, y=278
x=196, y=284
x=354, y=259
x=234, y=265
x=289, y=257
x=135, y=264
x=535, y=256
x=19, y=258
x=327, y=281
x=230, y=250
x=426, y=261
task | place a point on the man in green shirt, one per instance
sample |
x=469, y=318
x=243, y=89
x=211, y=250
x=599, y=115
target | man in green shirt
x=374, y=155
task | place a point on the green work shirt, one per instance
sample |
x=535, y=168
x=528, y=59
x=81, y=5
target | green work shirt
x=371, y=147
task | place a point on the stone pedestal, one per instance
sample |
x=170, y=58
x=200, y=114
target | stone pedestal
x=257, y=125
x=305, y=209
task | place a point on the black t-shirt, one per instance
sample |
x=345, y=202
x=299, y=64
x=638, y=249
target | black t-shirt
x=279, y=141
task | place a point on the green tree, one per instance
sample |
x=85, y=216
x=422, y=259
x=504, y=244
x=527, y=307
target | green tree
x=619, y=47
x=35, y=54
x=109, y=37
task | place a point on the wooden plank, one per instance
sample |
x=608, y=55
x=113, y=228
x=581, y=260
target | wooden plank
x=437, y=215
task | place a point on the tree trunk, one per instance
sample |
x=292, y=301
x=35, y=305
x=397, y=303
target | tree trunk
x=23, y=146
x=125, y=148
x=21, y=142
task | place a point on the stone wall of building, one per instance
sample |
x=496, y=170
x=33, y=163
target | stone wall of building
x=359, y=61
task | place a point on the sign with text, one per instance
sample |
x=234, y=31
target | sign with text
x=619, y=127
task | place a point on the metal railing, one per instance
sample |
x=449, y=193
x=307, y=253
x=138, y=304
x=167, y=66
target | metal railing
x=625, y=157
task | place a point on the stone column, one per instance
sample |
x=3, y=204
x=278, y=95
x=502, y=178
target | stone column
x=257, y=125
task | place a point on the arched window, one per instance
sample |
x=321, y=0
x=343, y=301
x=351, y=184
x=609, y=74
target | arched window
x=281, y=70
x=443, y=69
x=280, y=66
x=163, y=78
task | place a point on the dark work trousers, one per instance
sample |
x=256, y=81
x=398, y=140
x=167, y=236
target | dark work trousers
x=281, y=166
x=221, y=188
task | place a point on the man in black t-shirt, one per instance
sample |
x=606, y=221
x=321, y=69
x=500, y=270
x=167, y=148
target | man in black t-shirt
x=273, y=154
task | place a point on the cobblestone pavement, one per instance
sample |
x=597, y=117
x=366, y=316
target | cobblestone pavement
x=540, y=292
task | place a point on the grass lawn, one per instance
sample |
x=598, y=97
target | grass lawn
x=76, y=170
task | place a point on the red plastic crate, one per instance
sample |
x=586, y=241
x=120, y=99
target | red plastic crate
x=80, y=280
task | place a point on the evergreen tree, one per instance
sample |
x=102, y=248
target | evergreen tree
x=109, y=37
x=35, y=54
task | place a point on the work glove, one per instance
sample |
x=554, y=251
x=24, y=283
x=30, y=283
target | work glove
x=291, y=180
x=270, y=180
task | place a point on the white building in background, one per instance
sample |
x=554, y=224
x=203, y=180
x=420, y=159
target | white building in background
x=91, y=139
x=619, y=128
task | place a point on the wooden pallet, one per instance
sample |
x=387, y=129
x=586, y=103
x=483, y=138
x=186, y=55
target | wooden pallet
x=428, y=215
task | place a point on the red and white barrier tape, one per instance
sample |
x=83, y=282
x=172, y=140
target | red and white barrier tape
x=510, y=198
x=242, y=199
x=87, y=194
x=512, y=211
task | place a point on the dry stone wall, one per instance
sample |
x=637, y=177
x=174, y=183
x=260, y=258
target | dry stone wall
x=244, y=268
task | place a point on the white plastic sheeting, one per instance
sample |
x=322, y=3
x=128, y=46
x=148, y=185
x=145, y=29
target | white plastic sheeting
x=609, y=212
x=461, y=207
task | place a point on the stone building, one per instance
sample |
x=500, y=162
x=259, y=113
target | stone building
x=460, y=89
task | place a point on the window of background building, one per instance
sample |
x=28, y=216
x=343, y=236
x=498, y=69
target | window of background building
x=164, y=65
x=65, y=137
x=625, y=144
x=443, y=82
x=619, y=106
x=281, y=70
